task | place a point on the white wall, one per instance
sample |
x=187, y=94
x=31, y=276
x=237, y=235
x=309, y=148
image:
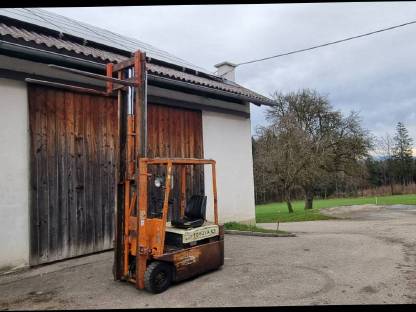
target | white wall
x=227, y=139
x=14, y=174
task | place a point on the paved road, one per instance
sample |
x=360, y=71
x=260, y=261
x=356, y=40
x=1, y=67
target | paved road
x=369, y=259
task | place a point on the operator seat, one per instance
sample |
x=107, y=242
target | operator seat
x=194, y=214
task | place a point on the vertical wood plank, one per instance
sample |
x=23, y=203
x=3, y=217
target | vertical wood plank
x=91, y=116
x=63, y=175
x=43, y=177
x=200, y=153
x=52, y=174
x=71, y=175
x=106, y=189
x=84, y=120
x=99, y=216
x=35, y=149
x=113, y=172
x=79, y=172
x=183, y=134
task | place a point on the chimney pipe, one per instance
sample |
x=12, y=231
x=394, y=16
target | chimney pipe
x=226, y=70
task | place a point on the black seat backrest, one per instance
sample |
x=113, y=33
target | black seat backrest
x=196, y=207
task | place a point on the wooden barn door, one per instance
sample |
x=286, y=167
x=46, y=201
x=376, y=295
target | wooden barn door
x=175, y=132
x=73, y=139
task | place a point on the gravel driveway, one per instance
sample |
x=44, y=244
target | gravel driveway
x=368, y=259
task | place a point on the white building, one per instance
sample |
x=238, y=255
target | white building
x=57, y=156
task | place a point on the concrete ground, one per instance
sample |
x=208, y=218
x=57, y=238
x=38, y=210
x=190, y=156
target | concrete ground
x=368, y=259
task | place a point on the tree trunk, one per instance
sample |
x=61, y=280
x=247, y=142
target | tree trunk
x=308, y=198
x=288, y=201
x=289, y=206
x=336, y=186
x=309, y=201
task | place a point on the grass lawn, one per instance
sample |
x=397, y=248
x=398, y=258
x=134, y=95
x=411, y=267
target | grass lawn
x=278, y=211
x=250, y=228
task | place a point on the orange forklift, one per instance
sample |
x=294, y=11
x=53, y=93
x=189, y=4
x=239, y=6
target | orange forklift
x=156, y=252
x=150, y=251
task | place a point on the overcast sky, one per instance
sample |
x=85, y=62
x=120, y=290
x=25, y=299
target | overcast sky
x=375, y=75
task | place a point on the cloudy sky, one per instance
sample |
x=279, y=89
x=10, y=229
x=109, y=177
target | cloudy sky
x=375, y=75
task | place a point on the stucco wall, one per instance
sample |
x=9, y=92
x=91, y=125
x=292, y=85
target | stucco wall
x=14, y=174
x=227, y=139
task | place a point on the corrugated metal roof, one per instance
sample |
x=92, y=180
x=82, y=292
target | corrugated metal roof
x=75, y=28
x=53, y=42
x=225, y=86
x=62, y=45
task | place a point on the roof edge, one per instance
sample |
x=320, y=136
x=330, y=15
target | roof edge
x=45, y=56
x=53, y=32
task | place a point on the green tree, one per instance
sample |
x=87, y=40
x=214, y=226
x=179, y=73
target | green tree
x=402, y=154
x=375, y=171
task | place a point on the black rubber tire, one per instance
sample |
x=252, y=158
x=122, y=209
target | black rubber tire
x=158, y=277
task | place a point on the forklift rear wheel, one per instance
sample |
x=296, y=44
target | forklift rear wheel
x=158, y=277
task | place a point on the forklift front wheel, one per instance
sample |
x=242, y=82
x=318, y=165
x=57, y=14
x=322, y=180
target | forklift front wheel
x=158, y=277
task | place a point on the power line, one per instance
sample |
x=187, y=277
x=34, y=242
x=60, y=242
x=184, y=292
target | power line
x=321, y=45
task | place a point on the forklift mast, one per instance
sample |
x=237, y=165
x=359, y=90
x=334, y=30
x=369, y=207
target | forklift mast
x=132, y=110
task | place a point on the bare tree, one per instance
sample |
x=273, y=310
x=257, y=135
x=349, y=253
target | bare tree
x=310, y=140
x=385, y=150
x=281, y=155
